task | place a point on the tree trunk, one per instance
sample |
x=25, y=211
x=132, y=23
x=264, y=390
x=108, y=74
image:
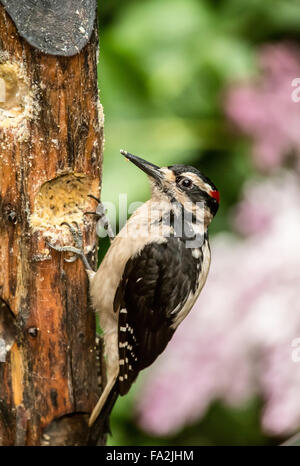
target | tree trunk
x=50, y=159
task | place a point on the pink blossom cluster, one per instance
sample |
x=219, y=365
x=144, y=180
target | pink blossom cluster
x=267, y=108
x=242, y=337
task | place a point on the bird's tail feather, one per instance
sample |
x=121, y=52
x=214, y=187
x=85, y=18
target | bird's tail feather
x=105, y=405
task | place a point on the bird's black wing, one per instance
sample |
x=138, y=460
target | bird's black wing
x=155, y=285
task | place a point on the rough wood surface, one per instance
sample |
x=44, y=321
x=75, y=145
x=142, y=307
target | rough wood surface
x=50, y=132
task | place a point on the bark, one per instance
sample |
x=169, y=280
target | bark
x=50, y=159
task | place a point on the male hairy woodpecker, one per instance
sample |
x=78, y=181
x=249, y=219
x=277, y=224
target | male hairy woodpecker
x=152, y=273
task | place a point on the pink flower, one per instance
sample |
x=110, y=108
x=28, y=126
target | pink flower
x=264, y=108
x=237, y=340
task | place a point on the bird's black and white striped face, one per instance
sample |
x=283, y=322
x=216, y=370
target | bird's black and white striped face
x=187, y=185
x=181, y=183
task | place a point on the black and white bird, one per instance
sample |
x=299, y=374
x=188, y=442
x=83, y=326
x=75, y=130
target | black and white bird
x=152, y=273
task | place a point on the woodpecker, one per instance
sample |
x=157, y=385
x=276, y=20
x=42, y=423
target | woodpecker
x=152, y=273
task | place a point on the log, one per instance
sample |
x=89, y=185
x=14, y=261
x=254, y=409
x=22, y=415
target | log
x=51, y=134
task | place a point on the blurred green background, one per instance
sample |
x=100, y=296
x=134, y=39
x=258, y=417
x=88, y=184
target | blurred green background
x=164, y=69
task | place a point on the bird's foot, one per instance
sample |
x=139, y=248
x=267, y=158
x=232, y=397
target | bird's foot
x=77, y=251
x=102, y=218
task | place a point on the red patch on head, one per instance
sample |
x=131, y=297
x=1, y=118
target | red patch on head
x=215, y=195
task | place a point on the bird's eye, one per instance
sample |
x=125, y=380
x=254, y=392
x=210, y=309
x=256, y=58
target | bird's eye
x=185, y=183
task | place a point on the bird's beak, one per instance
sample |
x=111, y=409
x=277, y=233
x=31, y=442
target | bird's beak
x=149, y=168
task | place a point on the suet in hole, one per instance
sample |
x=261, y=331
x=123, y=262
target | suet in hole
x=15, y=97
x=62, y=199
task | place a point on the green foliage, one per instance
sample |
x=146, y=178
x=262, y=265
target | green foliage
x=221, y=425
x=161, y=86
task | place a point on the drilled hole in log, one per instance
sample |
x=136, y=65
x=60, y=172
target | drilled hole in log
x=8, y=330
x=63, y=199
x=17, y=102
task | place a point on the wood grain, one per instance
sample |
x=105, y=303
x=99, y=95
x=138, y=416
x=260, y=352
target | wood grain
x=49, y=377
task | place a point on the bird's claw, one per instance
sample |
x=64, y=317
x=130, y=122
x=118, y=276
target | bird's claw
x=76, y=233
x=77, y=236
x=103, y=220
x=71, y=259
x=100, y=209
x=94, y=197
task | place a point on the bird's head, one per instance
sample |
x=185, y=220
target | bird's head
x=179, y=183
